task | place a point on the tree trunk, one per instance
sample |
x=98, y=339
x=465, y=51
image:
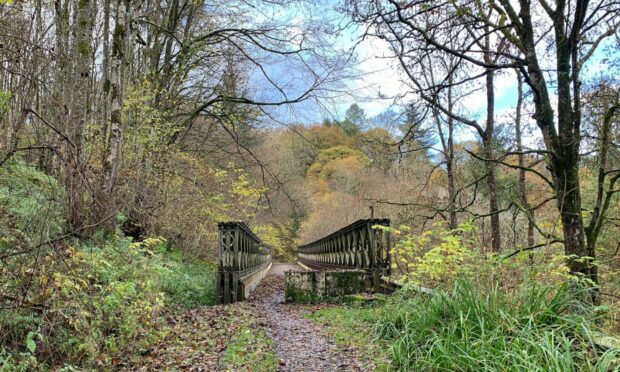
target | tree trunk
x=522, y=184
x=450, y=162
x=113, y=148
x=566, y=177
x=487, y=143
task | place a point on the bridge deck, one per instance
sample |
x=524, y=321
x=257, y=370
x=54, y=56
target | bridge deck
x=280, y=268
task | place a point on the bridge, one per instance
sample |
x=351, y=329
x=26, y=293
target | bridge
x=243, y=259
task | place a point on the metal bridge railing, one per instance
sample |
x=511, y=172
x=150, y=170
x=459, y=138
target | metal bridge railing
x=240, y=254
x=356, y=246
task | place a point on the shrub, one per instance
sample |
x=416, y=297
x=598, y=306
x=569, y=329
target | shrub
x=434, y=257
x=103, y=302
x=189, y=283
x=437, y=257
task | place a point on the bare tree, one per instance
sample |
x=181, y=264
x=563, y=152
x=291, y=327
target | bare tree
x=106, y=208
x=603, y=117
x=522, y=185
x=521, y=33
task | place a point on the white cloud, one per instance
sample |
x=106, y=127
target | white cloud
x=379, y=82
x=381, y=76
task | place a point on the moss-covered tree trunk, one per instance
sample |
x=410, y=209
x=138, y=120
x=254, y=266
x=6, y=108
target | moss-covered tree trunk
x=79, y=110
x=561, y=141
x=107, y=209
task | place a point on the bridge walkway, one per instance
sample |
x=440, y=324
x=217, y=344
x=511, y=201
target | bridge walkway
x=299, y=343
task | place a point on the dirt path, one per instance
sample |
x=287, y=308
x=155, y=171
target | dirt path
x=202, y=339
x=299, y=344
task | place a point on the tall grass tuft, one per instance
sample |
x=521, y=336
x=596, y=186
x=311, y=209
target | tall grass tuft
x=535, y=328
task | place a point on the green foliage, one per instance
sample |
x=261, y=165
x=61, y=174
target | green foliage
x=355, y=120
x=437, y=257
x=433, y=257
x=5, y=98
x=280, y=239
x=84, y=48
x=148, y=126
x=24, y=361
x=534, y=328
x=190, y=284
x=103, y=301
x=30, y=203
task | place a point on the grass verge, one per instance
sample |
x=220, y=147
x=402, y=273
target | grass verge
x=533, y=328
x=350, y=325
x=249, y=348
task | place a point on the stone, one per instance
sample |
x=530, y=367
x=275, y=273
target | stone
x=317, y=286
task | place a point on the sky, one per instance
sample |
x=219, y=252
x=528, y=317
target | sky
x=376, y=79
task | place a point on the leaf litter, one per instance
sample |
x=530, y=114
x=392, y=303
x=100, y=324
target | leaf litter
x=198, y=339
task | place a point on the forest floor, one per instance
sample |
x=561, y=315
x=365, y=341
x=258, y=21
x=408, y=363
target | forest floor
x=261, y=334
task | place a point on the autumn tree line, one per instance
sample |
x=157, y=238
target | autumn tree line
x=161, y=118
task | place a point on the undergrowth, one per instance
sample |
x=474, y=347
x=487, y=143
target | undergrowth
x=105, y=301
x=73, y=303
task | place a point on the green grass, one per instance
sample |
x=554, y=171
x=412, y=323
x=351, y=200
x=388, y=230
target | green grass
x=250, y=348
x=537, y=328
x=189, y=283
x=350, y=325
x=533, y=328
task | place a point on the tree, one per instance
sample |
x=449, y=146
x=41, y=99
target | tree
x=79, y=108
x=389, y=119
x=378, y=145
x=522, y=188
x=442, y=79
x=602, y=118
x=354, y=120
x=105, y=209
x=519, y=39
